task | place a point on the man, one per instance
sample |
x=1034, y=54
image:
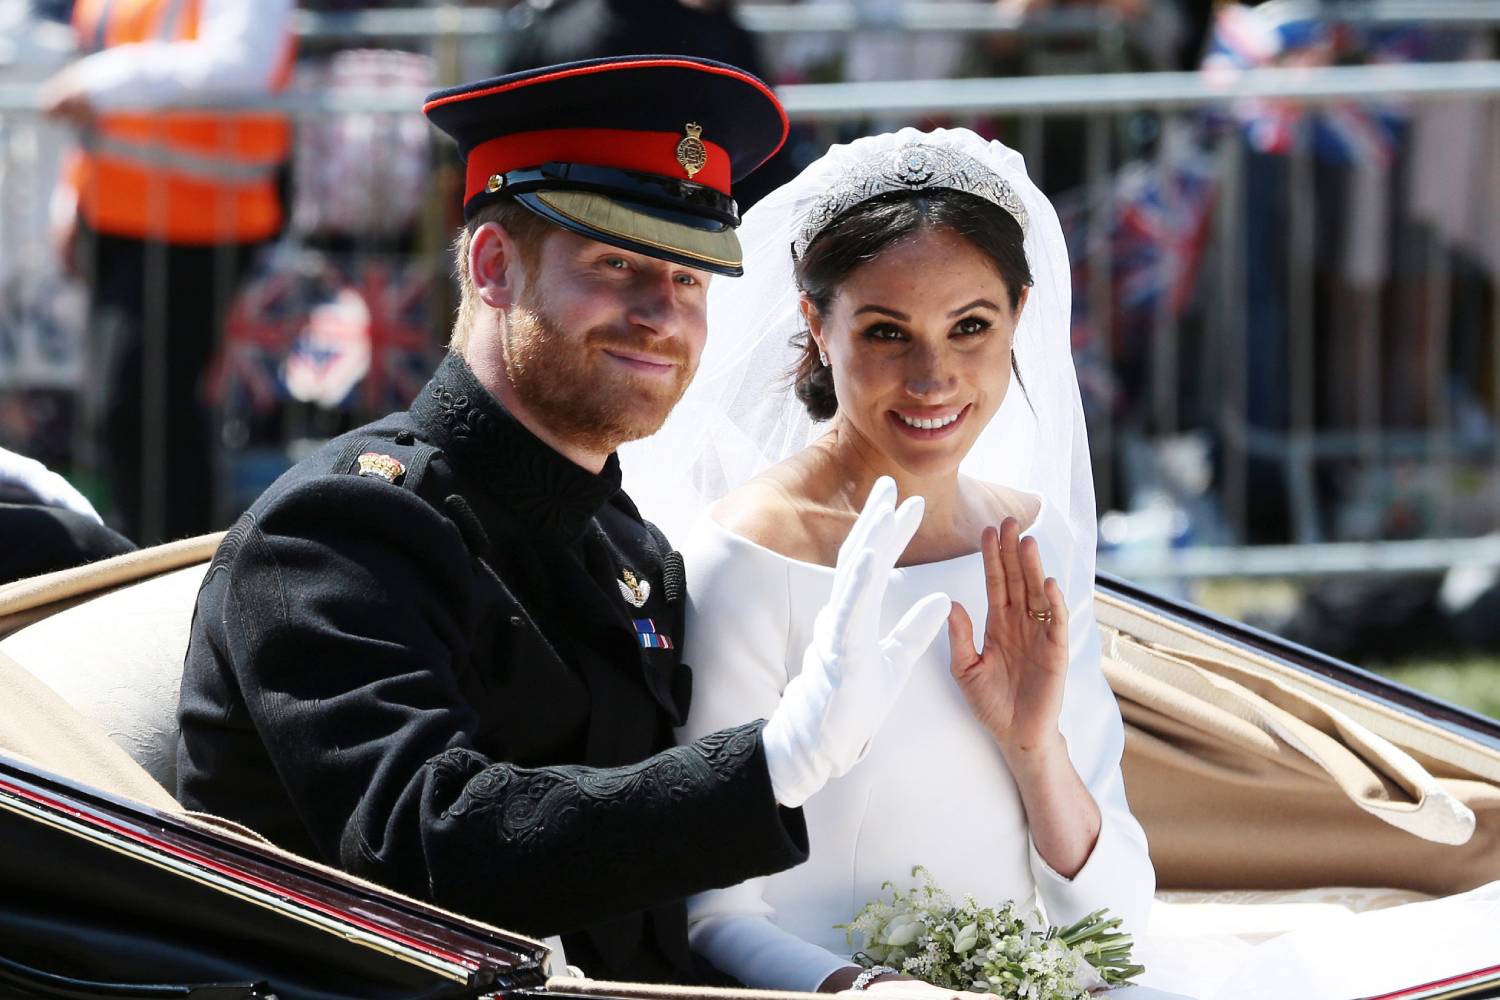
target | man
x=46, y=523
x=443, y=652
x=163, y=211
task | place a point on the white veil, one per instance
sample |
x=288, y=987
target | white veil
x=740, y=415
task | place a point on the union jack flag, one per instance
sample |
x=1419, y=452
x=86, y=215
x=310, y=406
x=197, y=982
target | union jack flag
x=1156, y=218
x=1288, y=32
x=402, y=351
x=262, y=323
x=348, y=334
x=331, y=355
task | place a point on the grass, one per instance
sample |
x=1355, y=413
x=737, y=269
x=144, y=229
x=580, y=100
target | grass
x=1473, y=682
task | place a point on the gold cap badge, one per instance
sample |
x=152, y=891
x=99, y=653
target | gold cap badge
x=691, y=152
x=495, y=183
x=378, y=466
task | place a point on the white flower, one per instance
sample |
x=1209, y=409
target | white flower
x=1009, y=951
x=902, y=931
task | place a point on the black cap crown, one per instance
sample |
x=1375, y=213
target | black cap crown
x=636, y=152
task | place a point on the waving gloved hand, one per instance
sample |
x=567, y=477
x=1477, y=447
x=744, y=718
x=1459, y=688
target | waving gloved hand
x=28, y=481
x=850, y=676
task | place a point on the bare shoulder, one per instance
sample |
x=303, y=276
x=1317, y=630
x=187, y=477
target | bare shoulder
x=1002, y=502
x=760, y=511
x=769, y=511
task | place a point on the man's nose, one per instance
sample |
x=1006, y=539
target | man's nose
x=654, y=304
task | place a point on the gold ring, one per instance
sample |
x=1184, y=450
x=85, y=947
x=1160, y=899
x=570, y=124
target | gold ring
x=1044, y=616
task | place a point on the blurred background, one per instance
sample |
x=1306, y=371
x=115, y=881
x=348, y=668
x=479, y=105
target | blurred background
x=1284, y=222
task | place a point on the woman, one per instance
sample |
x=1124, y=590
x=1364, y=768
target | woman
x=931, y=283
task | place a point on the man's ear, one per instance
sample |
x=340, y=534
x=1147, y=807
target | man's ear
x=495, y=266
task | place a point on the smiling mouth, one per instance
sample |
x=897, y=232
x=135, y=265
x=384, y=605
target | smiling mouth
x=642, y=363
x=927, y=428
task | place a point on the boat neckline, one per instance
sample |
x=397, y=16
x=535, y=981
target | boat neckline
x=976, y=554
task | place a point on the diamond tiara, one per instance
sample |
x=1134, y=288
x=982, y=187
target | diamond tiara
x=913, y=167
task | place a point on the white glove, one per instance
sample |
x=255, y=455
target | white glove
x=30, y=481
x=850, y=677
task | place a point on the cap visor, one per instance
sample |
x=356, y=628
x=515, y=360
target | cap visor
x=610, y=221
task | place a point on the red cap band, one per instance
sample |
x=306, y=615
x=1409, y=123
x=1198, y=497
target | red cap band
x=623, y=149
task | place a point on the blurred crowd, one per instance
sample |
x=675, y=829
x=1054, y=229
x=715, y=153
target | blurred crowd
x=172, y=371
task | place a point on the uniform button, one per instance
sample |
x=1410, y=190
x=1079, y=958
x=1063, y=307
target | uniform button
x=516, y=621
x=405, y=437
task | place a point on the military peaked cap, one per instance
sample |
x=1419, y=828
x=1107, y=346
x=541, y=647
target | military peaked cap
x=638, y=152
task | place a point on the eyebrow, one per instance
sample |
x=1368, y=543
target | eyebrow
x=881, y=309
x=977, y=302
x=894, y=314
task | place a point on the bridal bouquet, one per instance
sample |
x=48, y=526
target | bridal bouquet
x=1008, y=951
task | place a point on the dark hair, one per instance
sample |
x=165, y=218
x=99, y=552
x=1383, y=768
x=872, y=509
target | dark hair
x=869, y=229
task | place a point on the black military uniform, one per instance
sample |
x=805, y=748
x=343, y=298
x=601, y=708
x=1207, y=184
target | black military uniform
x=41, y=539
x=442, y=656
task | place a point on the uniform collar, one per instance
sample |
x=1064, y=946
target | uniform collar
x=490, y=446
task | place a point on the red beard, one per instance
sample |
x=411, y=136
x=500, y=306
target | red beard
x=577, y=392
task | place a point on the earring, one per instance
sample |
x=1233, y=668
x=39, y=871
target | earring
x=823, y=358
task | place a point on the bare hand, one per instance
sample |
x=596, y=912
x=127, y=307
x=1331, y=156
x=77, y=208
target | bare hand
x=1014, y=684
x=64, y=97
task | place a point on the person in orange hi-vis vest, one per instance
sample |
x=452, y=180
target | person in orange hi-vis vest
x=161, y=211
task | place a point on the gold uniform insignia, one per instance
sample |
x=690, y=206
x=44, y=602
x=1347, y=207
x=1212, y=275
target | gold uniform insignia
x=379, y=466
x=634, y=591
x=691, y=152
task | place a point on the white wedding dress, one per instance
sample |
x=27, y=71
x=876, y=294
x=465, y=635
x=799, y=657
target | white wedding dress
x=932, y=790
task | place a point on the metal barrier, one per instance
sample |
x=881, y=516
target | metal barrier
x=1217, y=419
x=765, y=19
x=842, y=18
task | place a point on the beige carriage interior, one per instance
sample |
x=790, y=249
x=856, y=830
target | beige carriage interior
x=1270, y=797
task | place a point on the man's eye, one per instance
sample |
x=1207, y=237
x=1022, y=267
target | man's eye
x=686, y=279
x=618, y=263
